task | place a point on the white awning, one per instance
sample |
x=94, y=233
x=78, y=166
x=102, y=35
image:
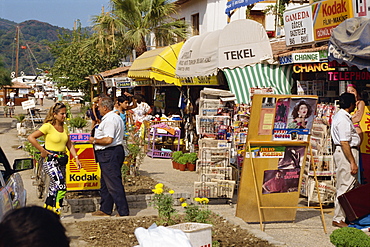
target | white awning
x=241, y=43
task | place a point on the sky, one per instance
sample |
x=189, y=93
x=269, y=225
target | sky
x=61, y=13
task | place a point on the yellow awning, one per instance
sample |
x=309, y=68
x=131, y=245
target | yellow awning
x=158, y=64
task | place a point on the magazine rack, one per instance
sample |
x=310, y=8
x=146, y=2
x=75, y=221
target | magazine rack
x=274, y=152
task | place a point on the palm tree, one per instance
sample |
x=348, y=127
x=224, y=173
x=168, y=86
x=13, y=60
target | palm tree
x=132, y=21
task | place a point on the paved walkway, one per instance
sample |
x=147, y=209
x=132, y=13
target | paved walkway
x=307, y=230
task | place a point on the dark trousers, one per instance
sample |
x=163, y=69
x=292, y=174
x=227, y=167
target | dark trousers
x=112, y=190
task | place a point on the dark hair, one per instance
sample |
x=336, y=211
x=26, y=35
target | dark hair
x=32, y=226
x=139, y=98
x=346, y=100
x=296, y=109
x=123, y=98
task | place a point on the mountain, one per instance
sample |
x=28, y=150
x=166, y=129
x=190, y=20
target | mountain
x=33, y=39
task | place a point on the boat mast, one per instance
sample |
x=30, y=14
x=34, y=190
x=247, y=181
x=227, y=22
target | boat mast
x=16, y=51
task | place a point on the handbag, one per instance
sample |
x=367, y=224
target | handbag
x=356, y=202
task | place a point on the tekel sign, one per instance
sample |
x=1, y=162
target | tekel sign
x=329, y=14
x=298, y=26
x=88, y=177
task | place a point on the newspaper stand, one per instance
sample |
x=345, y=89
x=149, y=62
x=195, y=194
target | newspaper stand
x=214, y=128
x=254, y=203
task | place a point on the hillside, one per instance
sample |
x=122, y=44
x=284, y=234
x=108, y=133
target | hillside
x=33, y=34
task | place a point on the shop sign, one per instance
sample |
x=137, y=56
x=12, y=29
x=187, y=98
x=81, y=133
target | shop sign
x=79, y=137
x=306, y=57
x=323, y=54
x=329, y=14
x=349, y=76
x=365, y=126
x=28, y=104
x=285, y=60
x=198, y=81
x=109, y=82
x=311, y=67
x=88, y=177
x=142, y=83
x=360, y=8
x=123, y=82
x=298, y=26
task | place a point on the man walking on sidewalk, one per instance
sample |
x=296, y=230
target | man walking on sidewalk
x=110, y=155
x=346, y=153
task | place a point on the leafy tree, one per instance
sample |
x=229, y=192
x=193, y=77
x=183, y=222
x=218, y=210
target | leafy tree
x=4, y=75
x=78, y=58
x=132, y=21
x=277, y=10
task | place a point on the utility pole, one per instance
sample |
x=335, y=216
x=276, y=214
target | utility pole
x=16, y=51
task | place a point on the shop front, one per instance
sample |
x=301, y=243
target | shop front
x=18, y=89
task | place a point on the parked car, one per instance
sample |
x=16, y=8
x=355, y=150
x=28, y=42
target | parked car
x=12, y=192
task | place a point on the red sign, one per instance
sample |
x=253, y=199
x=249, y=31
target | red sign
x=349, y=76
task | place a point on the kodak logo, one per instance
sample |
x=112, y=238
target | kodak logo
x=335, y=8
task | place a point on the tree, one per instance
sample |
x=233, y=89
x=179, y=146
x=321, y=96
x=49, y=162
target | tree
x=132, y=22
x=77, y=58
x=4, y=75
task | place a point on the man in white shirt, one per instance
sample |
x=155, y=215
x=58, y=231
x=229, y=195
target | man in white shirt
x=346, y=154
x=41, y=96
x=110, y=155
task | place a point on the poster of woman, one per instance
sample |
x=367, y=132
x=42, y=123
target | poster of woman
x=301, y=113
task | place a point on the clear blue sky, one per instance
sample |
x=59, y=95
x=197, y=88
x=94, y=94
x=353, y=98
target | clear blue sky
x=61, y=13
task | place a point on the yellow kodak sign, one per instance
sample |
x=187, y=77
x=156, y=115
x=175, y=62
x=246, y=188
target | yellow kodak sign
x=88, y=178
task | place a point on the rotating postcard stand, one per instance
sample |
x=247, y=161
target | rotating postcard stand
x=278, y=140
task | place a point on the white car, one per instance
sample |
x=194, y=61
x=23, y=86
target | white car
x=12, y=192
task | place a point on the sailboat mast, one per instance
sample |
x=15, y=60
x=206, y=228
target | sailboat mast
x=16, y=51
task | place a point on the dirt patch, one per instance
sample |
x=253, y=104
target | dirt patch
x=120, y=232
x=137, y=185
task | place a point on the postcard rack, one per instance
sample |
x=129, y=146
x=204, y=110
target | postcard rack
x=273, y=168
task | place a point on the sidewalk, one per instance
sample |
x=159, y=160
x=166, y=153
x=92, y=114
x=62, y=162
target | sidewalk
x=307, y=230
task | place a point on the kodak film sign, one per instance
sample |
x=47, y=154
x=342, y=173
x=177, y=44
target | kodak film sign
x=88, y=177
x=365, y=127
x=329, y=14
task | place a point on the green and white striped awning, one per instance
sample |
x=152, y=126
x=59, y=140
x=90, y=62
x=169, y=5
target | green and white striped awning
x=240, y=80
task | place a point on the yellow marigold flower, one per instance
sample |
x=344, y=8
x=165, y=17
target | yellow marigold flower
x=126, y=162
x=158, y=191
x=197, y=199
x=171, y=191
x=184, y=205
x=205, y=200
x=159, y=186
x=182, y=199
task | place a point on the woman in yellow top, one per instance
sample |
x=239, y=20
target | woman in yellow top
x=359, y=110
x=56, y=140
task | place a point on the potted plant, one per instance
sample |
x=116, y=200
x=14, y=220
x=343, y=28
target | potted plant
x=78, y=122
x=192, y=159
x=20, y=128
x=175, y=157
x=182, y=162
